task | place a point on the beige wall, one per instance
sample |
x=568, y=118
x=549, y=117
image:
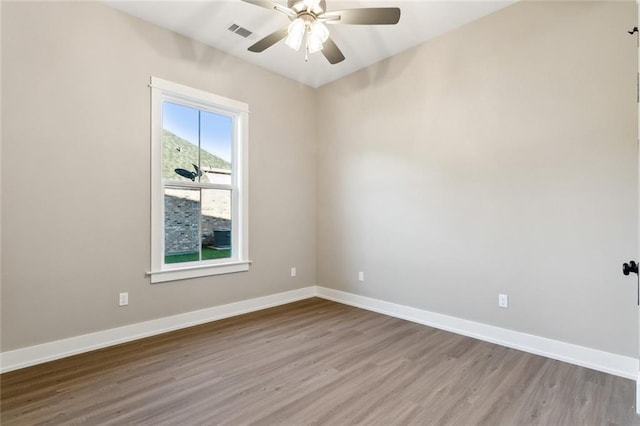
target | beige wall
x=500, y=157
x=76, y=171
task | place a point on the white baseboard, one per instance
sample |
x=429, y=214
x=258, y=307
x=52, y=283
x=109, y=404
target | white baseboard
x=32, y=355
x=607, y=362
x=618, y=365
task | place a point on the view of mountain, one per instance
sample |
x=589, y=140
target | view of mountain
x=178, y=153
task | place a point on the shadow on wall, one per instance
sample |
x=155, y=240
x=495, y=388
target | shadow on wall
x=184, y=47
x=378, y=73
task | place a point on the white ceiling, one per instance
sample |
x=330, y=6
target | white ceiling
x=208, y=22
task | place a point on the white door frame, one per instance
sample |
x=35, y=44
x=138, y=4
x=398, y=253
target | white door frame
x=638, y=141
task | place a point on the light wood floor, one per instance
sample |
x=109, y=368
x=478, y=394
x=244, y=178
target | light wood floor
x=313, y=362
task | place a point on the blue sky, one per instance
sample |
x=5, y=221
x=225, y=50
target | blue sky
x=215, y=132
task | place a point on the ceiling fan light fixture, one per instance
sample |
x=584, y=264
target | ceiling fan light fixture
x=296, y=31
x=317, y=35
x=320, y=30
x=314, y=44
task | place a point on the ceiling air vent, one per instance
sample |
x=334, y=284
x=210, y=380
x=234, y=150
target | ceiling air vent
x=235, y=28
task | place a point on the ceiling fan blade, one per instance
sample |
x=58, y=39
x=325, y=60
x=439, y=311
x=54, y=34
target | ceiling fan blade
x=364, y=16
x=272, y=6
x=269, y=40
x=332, y=52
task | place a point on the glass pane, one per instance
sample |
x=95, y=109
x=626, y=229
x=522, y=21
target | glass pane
x=181, y=225
x=196, y=145
x=216, y=141
x=216, y=224
x=180, y=141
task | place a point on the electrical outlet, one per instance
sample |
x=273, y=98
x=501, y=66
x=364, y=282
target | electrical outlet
x=503, y=300
x=360, y=276
x=294, y=272
x=124, y=299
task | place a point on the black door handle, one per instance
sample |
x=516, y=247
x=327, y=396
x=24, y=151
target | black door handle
x=627, y=268
x=630, y=267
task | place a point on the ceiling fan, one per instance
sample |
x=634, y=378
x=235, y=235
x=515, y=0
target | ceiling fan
x=308, y=19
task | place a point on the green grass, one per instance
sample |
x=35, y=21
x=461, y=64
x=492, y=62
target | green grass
x=207, y=253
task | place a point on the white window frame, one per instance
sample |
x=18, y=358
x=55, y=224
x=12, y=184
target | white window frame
x=163, y=90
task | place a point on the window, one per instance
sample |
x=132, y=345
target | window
x=198, y=183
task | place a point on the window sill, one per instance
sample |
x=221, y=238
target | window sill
x=197, y=271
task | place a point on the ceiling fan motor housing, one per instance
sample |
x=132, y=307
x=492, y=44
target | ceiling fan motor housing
x=301, y=5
